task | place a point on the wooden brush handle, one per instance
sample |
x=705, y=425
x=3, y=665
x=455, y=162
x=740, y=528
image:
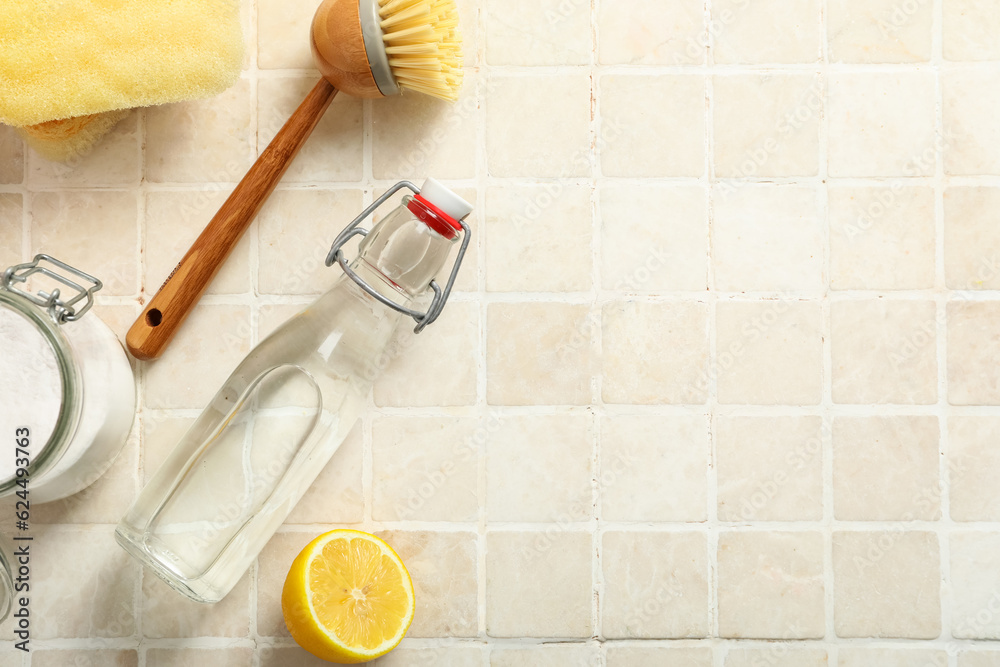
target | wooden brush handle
x=165, y=313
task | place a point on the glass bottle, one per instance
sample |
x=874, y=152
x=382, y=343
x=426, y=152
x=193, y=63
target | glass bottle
x=247, y=460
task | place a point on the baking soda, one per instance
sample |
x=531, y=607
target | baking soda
x=30, y=384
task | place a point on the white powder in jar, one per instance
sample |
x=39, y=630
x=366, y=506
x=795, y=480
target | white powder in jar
x=32, y=397
x=30, y=386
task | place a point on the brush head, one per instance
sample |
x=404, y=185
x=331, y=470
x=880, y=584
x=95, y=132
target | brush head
x=373, y=48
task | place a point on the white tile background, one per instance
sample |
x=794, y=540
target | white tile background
x=722, y=368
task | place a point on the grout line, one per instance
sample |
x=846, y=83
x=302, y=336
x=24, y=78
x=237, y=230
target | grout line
x=826, y=425
x=482, y=387
x=945, y=525
x=712, y=299
x=597, y=340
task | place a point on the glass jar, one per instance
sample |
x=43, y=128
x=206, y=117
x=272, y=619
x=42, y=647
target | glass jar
x=68, y=389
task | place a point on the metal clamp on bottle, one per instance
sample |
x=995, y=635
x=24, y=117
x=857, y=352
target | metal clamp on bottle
x=61, y=311
x=440, y=296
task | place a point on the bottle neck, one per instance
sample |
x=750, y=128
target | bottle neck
x=403, y=252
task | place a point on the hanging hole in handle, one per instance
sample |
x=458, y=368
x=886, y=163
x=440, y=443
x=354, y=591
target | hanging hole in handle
x=154, y=317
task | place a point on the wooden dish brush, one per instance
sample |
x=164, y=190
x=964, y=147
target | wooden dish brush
x=366, y=48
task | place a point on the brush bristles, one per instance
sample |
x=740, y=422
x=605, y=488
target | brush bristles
x=423, y=45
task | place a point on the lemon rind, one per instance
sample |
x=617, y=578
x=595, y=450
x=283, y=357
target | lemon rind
x=389, y=644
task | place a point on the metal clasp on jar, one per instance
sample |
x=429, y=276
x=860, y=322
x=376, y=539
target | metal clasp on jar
x=440, y=296
x=61, y=310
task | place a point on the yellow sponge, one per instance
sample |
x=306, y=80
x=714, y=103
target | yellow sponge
x=66, y=58
x=65, y=139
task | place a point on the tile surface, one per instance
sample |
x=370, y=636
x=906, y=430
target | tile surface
x=718, y=384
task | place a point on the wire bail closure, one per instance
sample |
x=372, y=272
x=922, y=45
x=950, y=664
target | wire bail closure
x=61, y=311
x=336, y=254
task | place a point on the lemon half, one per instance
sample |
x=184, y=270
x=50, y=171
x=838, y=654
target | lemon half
x=348, y=597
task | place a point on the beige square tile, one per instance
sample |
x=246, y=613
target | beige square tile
x=445, y=656
x=539, y=125
x=11, y=228
x=448, y=351
x=539, y=353
x=14, y=658
x=655, y=352
x=443, y=566
x=882, y=31
x=538, y=584
x=882, y=124
x=769, y=31
x=769, y=468
x=160, y=434
x=114, y=160
x=886, y=468
x=890, y=657
x=654, y=238
x=336, y=495
x=81, y=657
x=767, y=237
x=283, y=34
x=970, y=102
x=653, y=468
x=425, y=469
x=971, y=28
x=206, y=350
x=655, y=585
x=272, y=568
x=11, y=156
x=287, y=656
x=295, y=230
x=884, y=351
x=82, y=584
x=167, y=614
x=777, y=655
x=200, y=141
x=973, y=468
x=777, y=571
x=415, y=135
x=538, y=238
x=106, y=500
x=971, y=238
x=271, y=315
x=979, y=659
x=642, y=114
x=218, y=657
x=881, y=238
x=469, y=14
x=633, y=656
x=975, y=582
x=974, y=353
x=540, y=468
x=333, y=151
x=652, y=32
x=95, y=231
x=533, y=32
x=887, y=584
x=769, y=352
x=767, y=124
x=173, y=221
x=567, y=655
x=118, y=318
